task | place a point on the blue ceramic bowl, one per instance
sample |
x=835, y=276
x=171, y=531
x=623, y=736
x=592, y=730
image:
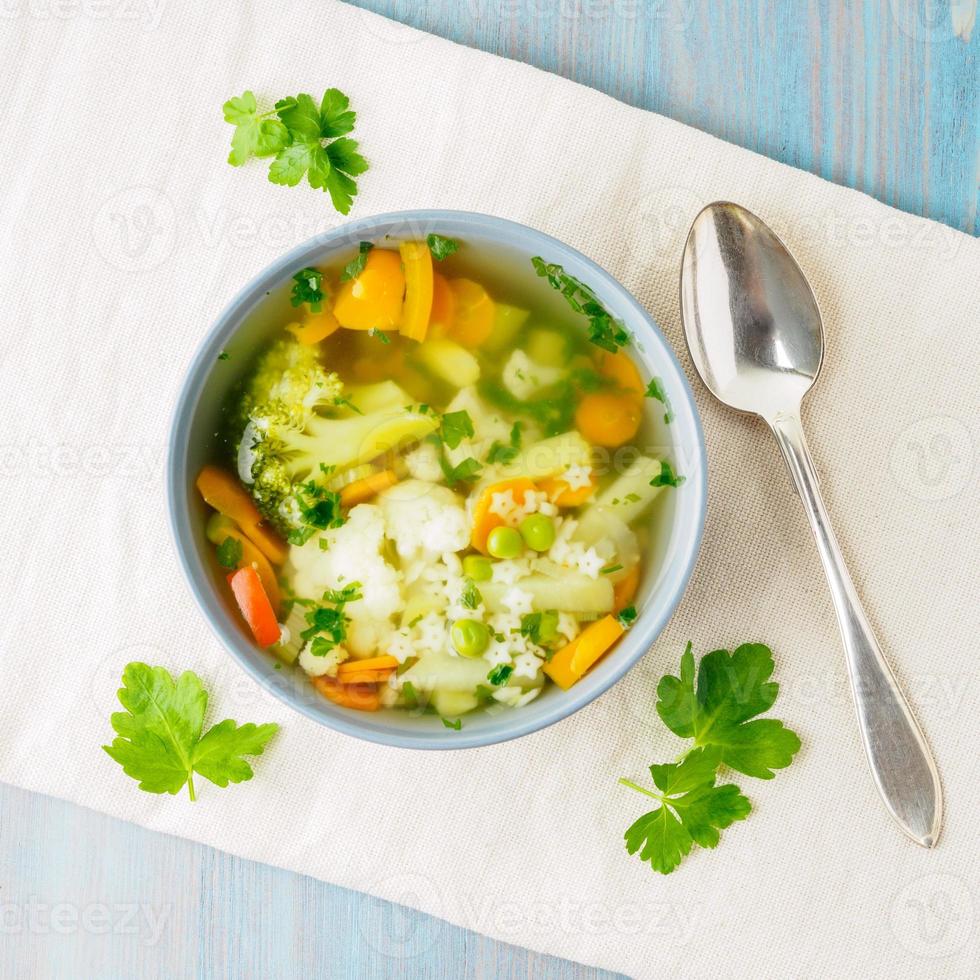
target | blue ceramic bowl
x=501, y=245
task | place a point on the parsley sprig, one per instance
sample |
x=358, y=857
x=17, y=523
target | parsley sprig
x=306, y=140
x=159, y=739
x=604, y=330
x=716, y=707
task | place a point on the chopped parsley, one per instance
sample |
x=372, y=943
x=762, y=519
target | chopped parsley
x=455, y=427
x=609, y=569
x=308, y=288
x=454, y=725
x=500, y=674
x=540, y=627
x=627, y=617
x=667, y=477
x=341, y=401
x=471, y=597
x=327, y=627
x=229, y=553
x=440, y=247
x=379, y=335
x=655, y=389
x=604, y=329
x=224, y=356
x=409, y=694
x=499, y=453
x=356, y=265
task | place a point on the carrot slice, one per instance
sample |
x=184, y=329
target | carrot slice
x=366, y=676
x=572, y=661
x=383, y=662
x=609, y=419
x=625, y=589
x=560, y=493
x=443, y=306
x=227, y=496
x=475, y=310
x=255, y=605
x=357, y=491
x=316, y=327
x=621, y=371
x=360, y=697
x=417, y=260
x=484, y=520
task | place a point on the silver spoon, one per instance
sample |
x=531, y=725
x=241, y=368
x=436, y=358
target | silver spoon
x=755, y=336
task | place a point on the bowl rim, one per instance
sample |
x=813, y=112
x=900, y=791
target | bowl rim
x=650, y=622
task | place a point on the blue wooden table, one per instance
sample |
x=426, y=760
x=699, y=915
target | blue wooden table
x=881, y=95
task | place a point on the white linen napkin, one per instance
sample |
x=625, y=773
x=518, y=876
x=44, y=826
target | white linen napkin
x=124, y=233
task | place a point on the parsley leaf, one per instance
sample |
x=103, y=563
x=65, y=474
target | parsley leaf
x=255, y=135
x=224, y=356
x=604, y=330
x=308, y=288
x=441, y=248
x=499, y=453
x=159, y=740
x=454, y=725
x=455, y=427
x=500, y=674
x=692, y=810
x=715, y=708
x=314, y=150
x=627, y=617
x=229, y=553
x=470, y=597
x=356, y=265
x=468, y=469
x=540, y=627
x=667, y=477
x=655, y=389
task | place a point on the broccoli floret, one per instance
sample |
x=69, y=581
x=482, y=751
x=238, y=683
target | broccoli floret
x=287, y=445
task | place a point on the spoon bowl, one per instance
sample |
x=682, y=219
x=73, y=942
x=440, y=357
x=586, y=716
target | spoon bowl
x=751, y=320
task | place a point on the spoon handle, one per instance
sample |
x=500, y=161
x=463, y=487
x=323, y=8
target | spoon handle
x=900, y=760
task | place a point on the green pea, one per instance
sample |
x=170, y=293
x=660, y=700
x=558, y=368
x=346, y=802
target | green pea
x=538, y=530
x=470, y=637
x=477, y=568
x=505, y=542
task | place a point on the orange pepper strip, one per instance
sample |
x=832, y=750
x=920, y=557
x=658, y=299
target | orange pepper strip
x=357, y=491
x=484, y=521
x=417, y=260
x=374, y=298
x=360, y=697
x=227, y=496
x=255, y=605
x=625, y=589
x=251, y=556
x=571, y=662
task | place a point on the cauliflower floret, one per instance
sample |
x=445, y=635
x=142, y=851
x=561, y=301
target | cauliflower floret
x=488, y=427
x=424, y=519
x=423, y=463
x=318, y=666
x=522, y=377
x=353, y=554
